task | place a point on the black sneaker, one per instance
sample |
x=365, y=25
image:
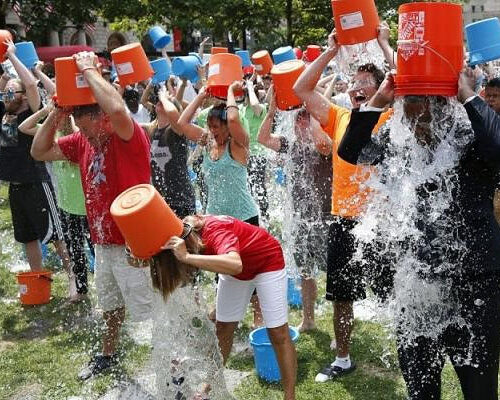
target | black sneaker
x=331, y=372
x=96, y=365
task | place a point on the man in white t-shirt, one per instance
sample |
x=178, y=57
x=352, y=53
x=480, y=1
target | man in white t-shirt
x=136, y=110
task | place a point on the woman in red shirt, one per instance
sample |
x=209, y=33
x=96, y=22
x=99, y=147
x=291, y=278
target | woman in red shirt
x=246, y=257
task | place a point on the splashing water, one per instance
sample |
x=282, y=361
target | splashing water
x=350, y=57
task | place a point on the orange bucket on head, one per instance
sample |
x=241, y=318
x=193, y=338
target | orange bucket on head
x=4, y=36
x=285, y=75
x=355, y=21
x=223, y=69
x=145, y=220
x=71, y=87
x=430, y=49
x=262, y=62
x=131, y=64
x=218, y=50
x=34, y=287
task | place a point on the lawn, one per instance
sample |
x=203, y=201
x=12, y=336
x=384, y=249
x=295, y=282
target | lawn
x=42, y=348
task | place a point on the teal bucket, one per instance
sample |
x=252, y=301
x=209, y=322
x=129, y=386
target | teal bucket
x=186, y=67
x=159, y=37
x=483, y=41
x=26, y=53
x=161, y=70
x=294, y=293
x=265, y=360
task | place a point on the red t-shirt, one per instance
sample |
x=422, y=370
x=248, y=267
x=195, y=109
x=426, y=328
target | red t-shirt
x=259, y=251
x=106, y=172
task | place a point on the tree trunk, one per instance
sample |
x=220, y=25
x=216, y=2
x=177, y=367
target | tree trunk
x=289, y=14
x=243, y=39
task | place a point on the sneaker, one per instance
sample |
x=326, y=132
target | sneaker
x=332, y=372
x=96, y=365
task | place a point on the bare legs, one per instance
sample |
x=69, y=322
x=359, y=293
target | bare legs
x=309, y=294
x=343, y=321
x=114, y=320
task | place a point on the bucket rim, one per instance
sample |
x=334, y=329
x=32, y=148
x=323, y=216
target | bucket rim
x=34, y=273
x=295, y=336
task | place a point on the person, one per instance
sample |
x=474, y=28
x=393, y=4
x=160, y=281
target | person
x=112, y=152
x=137, y=111
x=469, y=273
x=308, y=166
x=32, y=201
x=246, y=258
x=345, y=279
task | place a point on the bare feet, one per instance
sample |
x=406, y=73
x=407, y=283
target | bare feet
x=307, y=326
x=212, y=315
x=333, y=345
x=77, y=298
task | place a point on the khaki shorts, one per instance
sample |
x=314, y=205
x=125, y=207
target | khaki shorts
x=120, y=285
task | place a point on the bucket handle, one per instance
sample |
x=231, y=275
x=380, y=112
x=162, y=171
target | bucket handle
x=423, y=44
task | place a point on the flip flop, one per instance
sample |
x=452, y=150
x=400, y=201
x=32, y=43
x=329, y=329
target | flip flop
x=331, y=372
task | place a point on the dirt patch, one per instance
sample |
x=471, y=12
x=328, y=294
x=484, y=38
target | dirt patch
x=5, y=345
x=29, y=392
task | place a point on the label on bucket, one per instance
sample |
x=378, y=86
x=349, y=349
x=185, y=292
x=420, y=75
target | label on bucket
x=258, y=67
x=351, y=21
x=81, y=82
x=411, y=33
x=23, y=289
x=124, y=68
x=213, y=69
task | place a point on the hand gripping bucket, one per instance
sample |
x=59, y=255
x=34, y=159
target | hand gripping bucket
x=266, y=364
x=218, y=50
x=355, y=21
x=284, y=77
x=186, y=67
x=26, y=53
x=145, y=220
x=223, y=69
x=483, y=41
x=131, y=64
x=294, y=293
x=159, y=37
x=262, y=62
x=161, y=70
x=71, y=87
x=312, y=52
x=4, y=36
x=430, y=49
x=245, y=57
x=34, y=287
x=282, y=54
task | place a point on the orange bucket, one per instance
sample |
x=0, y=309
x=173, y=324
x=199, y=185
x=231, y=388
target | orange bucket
x=145, y=220
x=285, y=75
x=34, y=287
x=430, y=49
x=218, y=50
x=71, y=87
x=355, y=21
x=131, y=64
x=4, y=35
x=223, y=69
x=262, y=62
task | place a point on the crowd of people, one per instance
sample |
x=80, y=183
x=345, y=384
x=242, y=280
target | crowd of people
x=207, y=158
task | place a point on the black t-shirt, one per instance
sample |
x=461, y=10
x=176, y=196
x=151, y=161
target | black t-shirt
x=16, y=163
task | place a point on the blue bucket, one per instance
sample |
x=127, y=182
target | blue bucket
x=266, y=364
x=283, y=54
x=279, y=176
x=186, y=67
x=161, y=69
x=26, y=53
x=245, y=57
x=483, y=41
x=159, y=37
x=294, y=293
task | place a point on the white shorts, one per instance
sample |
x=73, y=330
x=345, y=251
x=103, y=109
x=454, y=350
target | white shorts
x=118, y=284
x=233, y=296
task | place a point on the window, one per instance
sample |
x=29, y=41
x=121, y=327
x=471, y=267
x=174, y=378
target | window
x=473, y=9
x=482, y=8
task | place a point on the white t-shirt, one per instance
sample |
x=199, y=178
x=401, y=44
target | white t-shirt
x=142, y=115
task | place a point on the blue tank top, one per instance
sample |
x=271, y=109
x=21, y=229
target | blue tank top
x=227, y=186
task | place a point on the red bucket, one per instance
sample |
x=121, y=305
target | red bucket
x=430, y=49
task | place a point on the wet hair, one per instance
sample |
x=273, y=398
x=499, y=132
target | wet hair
x=376, y=72
x=493, y=83
x=93, y=110
x=219, y=112
x=131, y=95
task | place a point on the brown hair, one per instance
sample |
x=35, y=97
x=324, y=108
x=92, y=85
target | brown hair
x=167, y=272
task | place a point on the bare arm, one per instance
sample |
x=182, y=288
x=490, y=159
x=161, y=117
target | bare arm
x=190, y=130
x=29, y=125
x=238, y=132
x=201, y=49
x=3, y=81
x=257, y=108
x=45, y=147
x=329, y=89
x=383, y=41
x=321, y=140
x=145, y=97
x=173, y=114
x=180, y=90
x=107, y=97
x=47, y=83
x=265, y=136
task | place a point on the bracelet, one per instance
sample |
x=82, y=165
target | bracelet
x=232, y=106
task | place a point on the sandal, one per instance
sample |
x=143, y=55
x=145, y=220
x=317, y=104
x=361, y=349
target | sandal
x=333, y=372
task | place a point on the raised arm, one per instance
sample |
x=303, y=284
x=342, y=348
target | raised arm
x=145, y=97
x=29, y=125
x=238, y=132
x=171, y=111
x=106, y=96
x=265, y=136
x=317, y=105
x=47, y=83
x=257, y=108
x=384, y=34
x=190, y=130
x=45, y=147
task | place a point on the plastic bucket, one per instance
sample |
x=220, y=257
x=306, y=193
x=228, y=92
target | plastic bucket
x=26, y=53
x=294, y=294
x=312, y=52
x=223, y=69
x=430, y=49
x=4, y=36
x=34, y=287
x=284, y=77
x=298, y=53
x=245, y=57
x=131, y=64
x=266, y=364
x=159, y=37
x=161, y=70
x=282, y=54
x=355, y=21
x=263, y=62
x=145, y=220
x=483, y=40
x=218, y=50
x=71, y=87
x=186, y=67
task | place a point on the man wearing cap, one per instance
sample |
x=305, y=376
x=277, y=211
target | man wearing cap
x=112, y=152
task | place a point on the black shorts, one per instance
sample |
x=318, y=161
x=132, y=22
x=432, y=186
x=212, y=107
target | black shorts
x=34, y=212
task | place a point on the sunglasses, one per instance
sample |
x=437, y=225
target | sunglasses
x=9, y=94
